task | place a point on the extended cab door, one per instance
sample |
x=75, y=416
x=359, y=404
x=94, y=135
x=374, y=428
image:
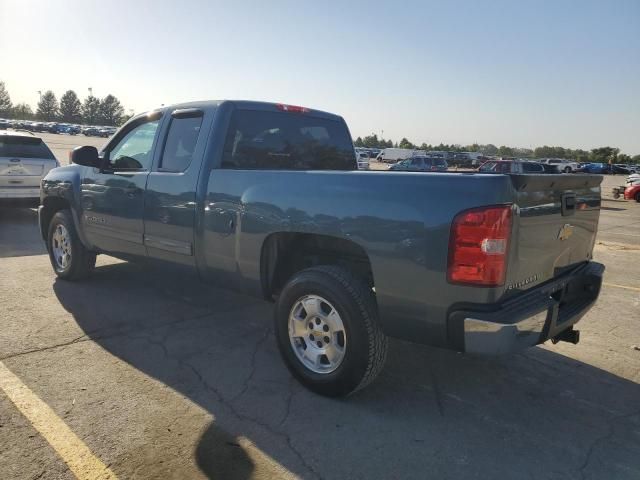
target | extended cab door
x=170, y=203
x=113, y=196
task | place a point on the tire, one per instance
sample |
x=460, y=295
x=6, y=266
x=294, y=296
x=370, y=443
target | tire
x=78, y=262
x=364, y=346
x=638, y=197
x=567, y=170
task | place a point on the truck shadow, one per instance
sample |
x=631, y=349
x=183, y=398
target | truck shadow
x=432, y=413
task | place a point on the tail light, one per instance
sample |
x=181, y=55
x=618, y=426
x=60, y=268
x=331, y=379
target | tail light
x=292, y=108
x=478, y=246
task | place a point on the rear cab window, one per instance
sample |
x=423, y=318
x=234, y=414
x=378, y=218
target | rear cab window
x=266, y=140
x=24, y=147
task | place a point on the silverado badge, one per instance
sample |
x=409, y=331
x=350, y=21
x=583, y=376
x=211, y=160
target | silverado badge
x=565, y=232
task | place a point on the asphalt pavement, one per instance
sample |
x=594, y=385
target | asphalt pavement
x=160, y=376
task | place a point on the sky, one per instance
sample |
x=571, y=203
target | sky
x=518, y=73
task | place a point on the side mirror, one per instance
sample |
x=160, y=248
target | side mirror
x=87, y=156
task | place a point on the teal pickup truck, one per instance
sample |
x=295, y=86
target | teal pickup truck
x=266, y=199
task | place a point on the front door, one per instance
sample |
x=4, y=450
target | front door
x=113, y=196
x=170, y=202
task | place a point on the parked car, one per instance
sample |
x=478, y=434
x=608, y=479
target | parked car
x=420, y=164
x=106, y=131
x=564, y=165
x=270, y=203
x=511, y=166
x=599, y=168
x=24, y=161
x=632, y=192
x=622, y=169
x=91, y=131
x=632, y=180
x=392, y=155
x=374, y=152
x=552, y=169
x=363, y=160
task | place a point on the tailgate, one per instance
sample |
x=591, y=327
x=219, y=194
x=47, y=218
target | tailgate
x=555, y=228
x=23, y=172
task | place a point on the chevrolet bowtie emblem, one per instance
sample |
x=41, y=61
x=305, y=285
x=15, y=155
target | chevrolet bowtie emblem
x=565, y=232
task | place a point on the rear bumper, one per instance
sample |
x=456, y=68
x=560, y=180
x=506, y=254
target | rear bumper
x=529, y=318
x=20, y=192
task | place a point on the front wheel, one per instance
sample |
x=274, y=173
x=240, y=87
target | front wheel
x=326, y=325
x=567, y=170
x=69, y=257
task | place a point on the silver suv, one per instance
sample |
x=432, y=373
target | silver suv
x=24, y=161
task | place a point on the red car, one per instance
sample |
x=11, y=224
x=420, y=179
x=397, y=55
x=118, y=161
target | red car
x=632, y=192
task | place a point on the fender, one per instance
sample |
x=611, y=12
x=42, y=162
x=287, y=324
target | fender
x=61, y=186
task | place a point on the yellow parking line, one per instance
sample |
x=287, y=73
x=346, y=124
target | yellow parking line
x=635, y=289
x=80, y=460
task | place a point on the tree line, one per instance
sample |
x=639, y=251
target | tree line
x=596, y=155
x=91, y=111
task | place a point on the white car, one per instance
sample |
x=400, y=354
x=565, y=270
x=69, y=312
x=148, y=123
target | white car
x=566, y=166
x=24, y=161
x=363, y=160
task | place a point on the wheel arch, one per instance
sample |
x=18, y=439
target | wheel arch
x=285, y=253
x=50, y=206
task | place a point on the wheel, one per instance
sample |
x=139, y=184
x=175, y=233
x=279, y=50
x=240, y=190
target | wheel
x=637, y=197
x=326, y=324
x=567, y=169
x=69, y=257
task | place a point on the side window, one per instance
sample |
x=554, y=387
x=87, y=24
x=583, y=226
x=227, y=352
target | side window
x=416, y=162
x=180, y=144
x=133, y=151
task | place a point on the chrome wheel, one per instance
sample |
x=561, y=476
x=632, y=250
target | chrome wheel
x=317, y=334
x=61, y=247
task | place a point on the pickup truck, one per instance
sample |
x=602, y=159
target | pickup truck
x=266, y=199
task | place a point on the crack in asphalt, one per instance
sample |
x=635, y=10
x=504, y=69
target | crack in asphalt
x=437, y=394
x=81, y=338
x=229, y=403
x=94, y=335
x=602, y=438
x=289, y=402
x=254, y=354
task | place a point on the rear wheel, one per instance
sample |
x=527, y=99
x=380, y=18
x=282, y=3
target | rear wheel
x=326, y=325
x=69, y=257
x=638, y=197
